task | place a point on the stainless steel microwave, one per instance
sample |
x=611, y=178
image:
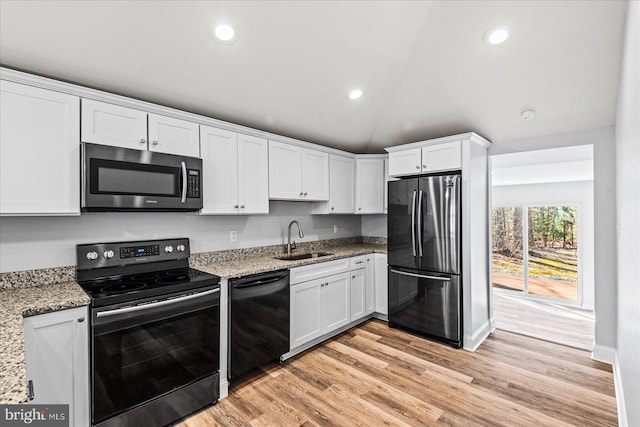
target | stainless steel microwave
x=122, y=179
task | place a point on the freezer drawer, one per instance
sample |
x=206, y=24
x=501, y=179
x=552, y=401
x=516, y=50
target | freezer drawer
x=426, y=304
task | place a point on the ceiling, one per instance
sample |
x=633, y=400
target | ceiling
x=422, y=65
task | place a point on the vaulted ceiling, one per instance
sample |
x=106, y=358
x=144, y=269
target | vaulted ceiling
x=423, y=65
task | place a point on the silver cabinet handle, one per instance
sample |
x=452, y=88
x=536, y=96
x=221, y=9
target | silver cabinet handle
x=154, y=142
x=155, y=304
x=183, y=166
x=419, y=224
x=413, y=224
x=143, y=141
x=404, y=273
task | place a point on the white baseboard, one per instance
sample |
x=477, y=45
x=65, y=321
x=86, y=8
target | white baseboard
x=603, y=354
x=617, y=381
x=472, y=342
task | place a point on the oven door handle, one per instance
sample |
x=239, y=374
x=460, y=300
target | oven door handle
x=183, y=167
x=155, y=304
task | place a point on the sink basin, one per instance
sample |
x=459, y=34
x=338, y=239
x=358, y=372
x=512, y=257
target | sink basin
x=297, y=257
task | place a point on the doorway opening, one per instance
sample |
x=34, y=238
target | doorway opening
x=542, y=244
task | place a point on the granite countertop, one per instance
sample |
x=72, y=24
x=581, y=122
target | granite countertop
x=264, y=263
x=15, y=304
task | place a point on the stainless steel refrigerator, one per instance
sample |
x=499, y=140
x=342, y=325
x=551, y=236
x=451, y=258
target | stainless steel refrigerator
x=424, y=254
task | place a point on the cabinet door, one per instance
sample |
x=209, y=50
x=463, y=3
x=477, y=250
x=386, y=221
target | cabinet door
x=441, y=157
x=57, y=356
x=39, y=151
x=306, y=312
x=114, y=125
x=341, y=185
x=369, y=191
x=335, y=301
x=369, y=285
x=253, y=175
x=356, y=294
x=220, y=171
x=173, y=136
x=406, y=162
x=381, y=283
x=315, y=175
x=285, y=166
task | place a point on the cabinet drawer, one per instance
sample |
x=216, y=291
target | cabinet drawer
x=315, y=271
x=357, y=262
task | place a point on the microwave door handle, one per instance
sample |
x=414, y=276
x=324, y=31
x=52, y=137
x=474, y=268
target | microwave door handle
x=183, y=167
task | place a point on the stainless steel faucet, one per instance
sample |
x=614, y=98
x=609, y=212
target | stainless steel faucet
x=291, y=246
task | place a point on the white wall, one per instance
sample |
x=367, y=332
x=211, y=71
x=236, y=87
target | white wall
x=628, y=214
x=39, y=242
x=604, y=165
x=568, y=194
x=374, y=225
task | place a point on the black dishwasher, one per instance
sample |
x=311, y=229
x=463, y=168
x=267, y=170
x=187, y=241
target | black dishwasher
x=258, y=320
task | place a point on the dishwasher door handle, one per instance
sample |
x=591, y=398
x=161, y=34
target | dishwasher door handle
x=258, y=282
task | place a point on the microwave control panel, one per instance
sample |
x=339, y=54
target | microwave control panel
x=193, y=183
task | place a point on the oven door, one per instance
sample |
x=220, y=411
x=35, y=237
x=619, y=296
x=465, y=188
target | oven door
x=121, y=179
x=145, y=351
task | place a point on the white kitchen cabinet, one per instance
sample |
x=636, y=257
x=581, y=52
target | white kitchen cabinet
x=369, y=284
x=425, y=157
x=357, y=294
x=108, y=124
x=381, y=280
x=39, y=151
x=297, y=173
x=235, y=173
x=173, y=136
x=369, y=186
x=318, y=306
x=442, y=157
x=57, y=360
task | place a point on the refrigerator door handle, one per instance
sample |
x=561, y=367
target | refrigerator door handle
x=413, y=224
x=420, y=224
x=422, y=276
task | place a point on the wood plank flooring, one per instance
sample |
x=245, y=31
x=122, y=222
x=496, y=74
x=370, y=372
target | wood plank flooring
x=551, y=322
x=372, y=375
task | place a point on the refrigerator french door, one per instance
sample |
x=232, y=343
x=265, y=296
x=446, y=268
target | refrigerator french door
x=425, y=292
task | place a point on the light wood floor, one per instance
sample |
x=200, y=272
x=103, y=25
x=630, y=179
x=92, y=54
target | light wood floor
x=551, y=322
x=373, y=375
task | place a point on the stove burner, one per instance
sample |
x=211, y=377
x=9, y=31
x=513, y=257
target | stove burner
x=122, y=287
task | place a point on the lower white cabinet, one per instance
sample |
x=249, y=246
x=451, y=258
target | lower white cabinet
x=381, y=284
x=57, y=355
x=318, y=307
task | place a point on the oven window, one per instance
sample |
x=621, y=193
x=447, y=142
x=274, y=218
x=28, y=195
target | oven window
x=138, y=179
x=135, y=362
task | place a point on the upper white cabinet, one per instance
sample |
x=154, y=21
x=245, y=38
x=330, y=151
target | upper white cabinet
x=108, y=124
x=39, y=151
x=425, y=157
x=235, y=172
x=173, y=136
x=369, y=185
x=297, y=173
x=57, y=358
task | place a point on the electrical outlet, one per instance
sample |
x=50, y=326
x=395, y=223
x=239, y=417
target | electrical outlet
x=335, y=229
x=233, y=235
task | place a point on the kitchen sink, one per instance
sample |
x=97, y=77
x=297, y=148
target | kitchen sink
x=297, y=257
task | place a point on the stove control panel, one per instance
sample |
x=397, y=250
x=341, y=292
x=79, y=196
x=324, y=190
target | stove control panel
x=115, y=254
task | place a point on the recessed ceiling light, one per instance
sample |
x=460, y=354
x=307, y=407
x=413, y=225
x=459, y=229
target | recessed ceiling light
x=528, y=115
x=355, y=94
x=496, y=35
x=222, y=32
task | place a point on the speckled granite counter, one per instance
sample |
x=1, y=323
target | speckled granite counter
x=260, y=264
x=15, y=304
